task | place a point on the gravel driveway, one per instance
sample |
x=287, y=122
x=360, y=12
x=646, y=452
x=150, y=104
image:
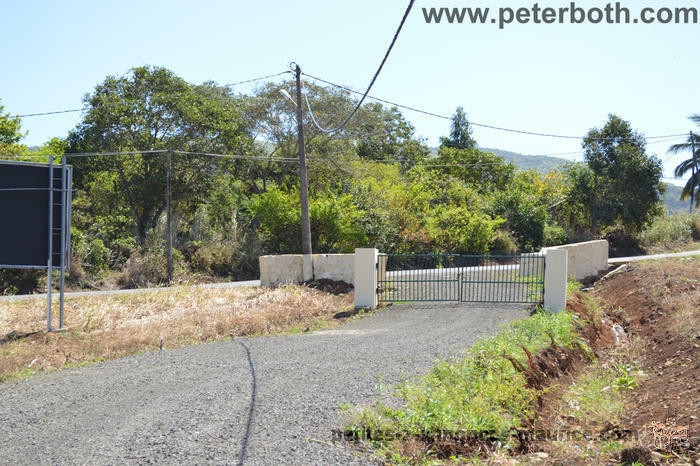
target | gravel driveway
x=266, y=400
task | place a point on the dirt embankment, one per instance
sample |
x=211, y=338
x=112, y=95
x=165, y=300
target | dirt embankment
x=659, y=302
x=650, y=314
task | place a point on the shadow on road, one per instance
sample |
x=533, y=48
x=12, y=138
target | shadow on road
x=251, y=409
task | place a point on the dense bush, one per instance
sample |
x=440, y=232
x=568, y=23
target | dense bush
x=460, y=230
x=15, y=281
x=672, y=229
x=526, y=217
x=148, y=268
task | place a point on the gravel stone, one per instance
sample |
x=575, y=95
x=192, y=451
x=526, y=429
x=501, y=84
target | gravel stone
x=265, y=400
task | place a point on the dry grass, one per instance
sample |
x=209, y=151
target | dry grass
x=681, y=296
x=106, y=327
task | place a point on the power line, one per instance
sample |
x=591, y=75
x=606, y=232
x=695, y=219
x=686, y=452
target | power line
x=482, y=125
x=251, y=157
x=374, y=78
x=155, y=152
x=194, y=91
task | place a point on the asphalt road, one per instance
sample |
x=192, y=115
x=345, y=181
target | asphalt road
x=267, y=400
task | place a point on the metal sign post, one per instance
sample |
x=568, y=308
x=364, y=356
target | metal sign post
x=37, y=239
x=62, y=283
x=49, y=280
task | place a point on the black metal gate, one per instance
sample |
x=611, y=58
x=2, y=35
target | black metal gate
x=494, y=278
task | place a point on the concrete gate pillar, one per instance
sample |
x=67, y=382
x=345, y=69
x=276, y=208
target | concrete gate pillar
x=366, y=277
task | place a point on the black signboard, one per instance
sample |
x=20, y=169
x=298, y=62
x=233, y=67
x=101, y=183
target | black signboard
x=24, y=214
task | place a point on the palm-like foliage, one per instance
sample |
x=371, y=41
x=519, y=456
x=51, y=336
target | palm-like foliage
x=687, y=165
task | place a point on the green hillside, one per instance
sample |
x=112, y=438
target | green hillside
x=672, y=200
x=541, y=163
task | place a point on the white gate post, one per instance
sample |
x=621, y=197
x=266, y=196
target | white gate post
x=555, y=273
x=366, y=277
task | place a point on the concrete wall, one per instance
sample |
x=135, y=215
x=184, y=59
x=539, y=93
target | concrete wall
x=335, y=267
x=585, y=259
x=281, y=269
x=297, y=268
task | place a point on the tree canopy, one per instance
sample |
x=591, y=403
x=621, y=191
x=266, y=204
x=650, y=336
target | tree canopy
x=153, y=109
x=10, y=135
x=624, y=185
x=460, y=132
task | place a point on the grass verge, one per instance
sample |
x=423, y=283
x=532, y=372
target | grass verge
x=107, y=327
x=480, y=396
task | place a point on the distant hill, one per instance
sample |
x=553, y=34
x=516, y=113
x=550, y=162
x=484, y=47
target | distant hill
x=541, y=163
x=672, y=200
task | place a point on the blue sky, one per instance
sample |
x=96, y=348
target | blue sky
x=561, y=79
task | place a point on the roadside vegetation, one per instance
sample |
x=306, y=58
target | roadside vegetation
x=375, y=183
x=672, y=233
x=488, y=394
x=108, y=327
x=611, y=380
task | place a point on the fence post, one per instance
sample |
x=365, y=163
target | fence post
x=555, y=273
x=366, y=277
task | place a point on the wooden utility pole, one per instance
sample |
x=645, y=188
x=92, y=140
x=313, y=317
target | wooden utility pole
x=304, y=191
x=169, y=219
x=693, y=174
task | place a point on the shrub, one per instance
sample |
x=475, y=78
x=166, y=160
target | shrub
x=149, y=268
x=504, y=242
x=278, y=215
x=335, y=221
x=554, y=235
x=230, y=258
x=461, y=230
x=526, y=217
x=19, y=281
x=480, y=394
x=672, y=229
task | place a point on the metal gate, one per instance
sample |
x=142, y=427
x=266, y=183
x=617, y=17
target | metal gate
x=494, y=278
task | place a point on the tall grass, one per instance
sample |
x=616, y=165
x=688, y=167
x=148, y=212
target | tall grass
x=104, y=327
x=480, y=394
x=666, y=231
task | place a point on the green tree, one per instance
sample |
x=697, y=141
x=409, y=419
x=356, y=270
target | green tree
x=693, y=184
x=624, y=187
x=482, y=170
x=10, y=135
x=462, y=230
x=374, y=133
x=385, y=135
x=153, y=109
x=335, y=221
x=460, y=132
x=525, y=216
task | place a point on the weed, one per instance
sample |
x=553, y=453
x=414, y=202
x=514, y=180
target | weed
x=611, y=446
x=672, y=229
x=627, y=379
x=481, y=394
x=345, y=406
